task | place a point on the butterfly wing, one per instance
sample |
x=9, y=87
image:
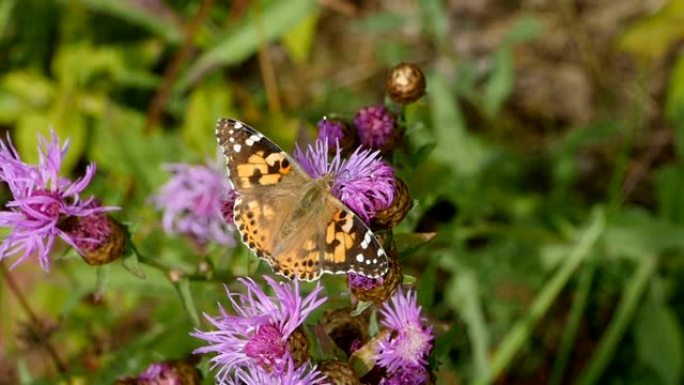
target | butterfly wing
x=299, y=236
x=332, y=239
x=267, y=181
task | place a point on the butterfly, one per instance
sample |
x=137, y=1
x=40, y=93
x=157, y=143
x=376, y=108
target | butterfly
x=289, y=219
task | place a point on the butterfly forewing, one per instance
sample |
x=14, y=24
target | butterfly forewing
x=300, y=238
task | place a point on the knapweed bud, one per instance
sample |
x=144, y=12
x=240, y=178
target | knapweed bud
x=405, y=83
x=377, y=289
x=396, y=211
x=164, y=373
x=347, y=331
x=100, y=239
x=337, y=132
x=377, y=128
x=338, y=373
x=298, y=345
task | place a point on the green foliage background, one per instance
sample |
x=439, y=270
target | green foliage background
x=559, y=253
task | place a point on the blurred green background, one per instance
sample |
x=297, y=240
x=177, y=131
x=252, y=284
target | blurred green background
x=547, y=155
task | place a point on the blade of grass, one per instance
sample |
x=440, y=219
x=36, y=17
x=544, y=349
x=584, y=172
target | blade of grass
x=632, y=293
x=470, y=308
x=245, y=40
x=579, y=304
x=520, y=333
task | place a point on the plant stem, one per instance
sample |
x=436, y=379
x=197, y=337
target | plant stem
x=35, y=322
x=520, y=333
x=633, y=290
x=171, y=71
x=579, y=304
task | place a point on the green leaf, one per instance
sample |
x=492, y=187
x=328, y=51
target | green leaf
x=526, y=28
x=435, y=18
x=652, y=36
x=205, y=105
x=464, y=297
x=6, y=7
x=669, y=182
x=68, y=126
x=636, y=234
x=129, y=12
x=299, y=40
x=408, y=243
x=185, y=294
x=500, y=82
x=659, y=341
x=674, y=103
x=102, y=278
x=239, y=44
x=427, y=285
x=454, y=145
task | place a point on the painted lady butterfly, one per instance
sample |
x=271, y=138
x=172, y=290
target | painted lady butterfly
x=289, y=219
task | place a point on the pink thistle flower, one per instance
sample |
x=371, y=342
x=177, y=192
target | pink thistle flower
x=197, y=201
x=411, y=340
x=41, y=201
x=363, y=181
x=258, y=332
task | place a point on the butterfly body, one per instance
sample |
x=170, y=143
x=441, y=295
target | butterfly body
x=289, y=219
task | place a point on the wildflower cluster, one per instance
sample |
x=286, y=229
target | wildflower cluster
x=261, y=336
x=260, y=339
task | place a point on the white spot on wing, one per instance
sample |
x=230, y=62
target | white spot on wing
x=359, y=257
x=237, y=147
x=238, y=124
x=381, y=252
x=249, y=142
x=231, y=139
x=366, y=240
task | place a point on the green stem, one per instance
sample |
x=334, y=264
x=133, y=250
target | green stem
x=579, y=304
x=632, y=292
x=520, y=333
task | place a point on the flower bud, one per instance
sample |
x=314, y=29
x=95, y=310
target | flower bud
x=337, y=132
x=405, y=83
x=338, y=373
x=396, y=211
x=163, y=373
x=377, y=128
x=299, y=346
x=100, y=238
x=345, y=330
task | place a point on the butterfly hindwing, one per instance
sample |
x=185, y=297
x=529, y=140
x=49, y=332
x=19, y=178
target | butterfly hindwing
x=350, y=245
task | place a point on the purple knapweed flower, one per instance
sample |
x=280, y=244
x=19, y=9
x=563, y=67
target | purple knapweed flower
x=290, y=375
x=198, y=201
x=331, y=131
x=258, y=332
x=409, y=375
x=42, y=200
x=411, y=340
x=363, y=181
x=374, y=125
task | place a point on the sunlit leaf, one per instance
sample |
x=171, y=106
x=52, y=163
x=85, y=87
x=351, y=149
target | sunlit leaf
x=243, y=41
x=205, y=106
x=652, y=36
x=299, y=40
